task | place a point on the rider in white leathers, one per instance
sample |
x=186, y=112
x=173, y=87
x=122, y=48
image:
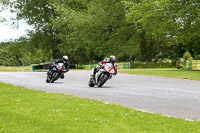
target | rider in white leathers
x=112, y=60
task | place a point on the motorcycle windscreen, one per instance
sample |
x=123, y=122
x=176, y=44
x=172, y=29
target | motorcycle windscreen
x=60, y=66
x=109, y=68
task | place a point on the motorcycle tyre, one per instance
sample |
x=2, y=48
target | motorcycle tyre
x=90, y=83
x=48, y=79
x=105, y=78
x=54, y=77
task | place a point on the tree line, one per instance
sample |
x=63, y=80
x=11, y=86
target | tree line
x=89, y=30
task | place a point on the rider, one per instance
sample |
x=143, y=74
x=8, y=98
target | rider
x=64, y=60
x=112, y=59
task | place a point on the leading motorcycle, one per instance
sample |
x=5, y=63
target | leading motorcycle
x=103, y=74
x=55, y=73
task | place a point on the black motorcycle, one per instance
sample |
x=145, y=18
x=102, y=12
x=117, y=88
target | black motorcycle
x=55, y=73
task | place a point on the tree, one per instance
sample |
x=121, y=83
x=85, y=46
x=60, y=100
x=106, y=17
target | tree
x=170, y=23
x=96, y=30
x=89, y=30
x=38, y=14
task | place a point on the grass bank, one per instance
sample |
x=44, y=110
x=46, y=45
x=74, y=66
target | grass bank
x=174, y=73
x=23, y=110
x=15, y=68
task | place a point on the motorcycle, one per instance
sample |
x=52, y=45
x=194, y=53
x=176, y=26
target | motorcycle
x=55, y=73
x=102, y=75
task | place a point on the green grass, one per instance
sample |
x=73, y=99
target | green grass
x=174, y=73
x=23, y=110
x=15, y=68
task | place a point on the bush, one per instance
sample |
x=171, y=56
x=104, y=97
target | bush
x=187, y=55
x=197, y=57
x=182, y=61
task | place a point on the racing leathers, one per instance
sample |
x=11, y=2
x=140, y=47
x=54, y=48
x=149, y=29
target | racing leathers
x=103, y=62
x=66, y=65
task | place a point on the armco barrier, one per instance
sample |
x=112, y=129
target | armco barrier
x=93, y=66
x=34, y=67
x=88, y=67
x=193, y=64
x=189, y=64
x=46, y=67
x=121, y=65
x=37, y=67
x=126, y=65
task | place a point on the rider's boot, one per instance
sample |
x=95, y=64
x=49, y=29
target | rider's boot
x=95, y=71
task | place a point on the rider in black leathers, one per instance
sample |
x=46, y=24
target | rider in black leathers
x=64, y=60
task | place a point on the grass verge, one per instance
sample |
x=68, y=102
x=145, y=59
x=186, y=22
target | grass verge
x=15, y=68
x=174, y=73
x=23, y=110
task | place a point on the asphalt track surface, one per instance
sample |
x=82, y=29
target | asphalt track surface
x=167, y=96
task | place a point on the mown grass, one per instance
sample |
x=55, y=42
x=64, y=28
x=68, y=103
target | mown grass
x=23, y=110
x=174, y=73
x=15, y=68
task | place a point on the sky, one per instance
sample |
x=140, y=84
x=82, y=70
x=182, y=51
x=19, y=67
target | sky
x=9, y=32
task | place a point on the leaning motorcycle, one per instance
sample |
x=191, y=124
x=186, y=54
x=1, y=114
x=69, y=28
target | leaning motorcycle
x=102, y=75
x=55, y=73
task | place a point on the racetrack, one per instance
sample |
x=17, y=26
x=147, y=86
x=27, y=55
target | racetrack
x=168, y=96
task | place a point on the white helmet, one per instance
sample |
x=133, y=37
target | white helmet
x=65, y=58
x=113, y=59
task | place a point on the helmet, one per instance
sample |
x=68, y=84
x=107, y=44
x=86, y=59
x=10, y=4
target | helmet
x=112, y=59
x=65, y=58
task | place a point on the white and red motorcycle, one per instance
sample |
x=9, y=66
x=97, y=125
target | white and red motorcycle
x=102, y=75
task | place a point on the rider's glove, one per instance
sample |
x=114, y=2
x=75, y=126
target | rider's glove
x=99, y=63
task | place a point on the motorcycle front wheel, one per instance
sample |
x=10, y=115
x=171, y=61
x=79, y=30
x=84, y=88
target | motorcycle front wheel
x=90, y=83
x=54, y=77
x=102, y=80
x=48, y=78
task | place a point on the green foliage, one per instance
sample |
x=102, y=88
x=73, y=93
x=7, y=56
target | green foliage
x=169, y=23
x=187, y=55
x=13, y=56
x=182, y=61
x=197, y=57
x=89, y=30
